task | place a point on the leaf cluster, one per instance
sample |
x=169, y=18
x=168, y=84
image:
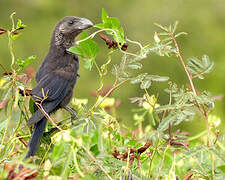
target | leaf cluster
x=85, y=149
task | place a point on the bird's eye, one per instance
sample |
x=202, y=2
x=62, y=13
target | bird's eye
x=71, y=22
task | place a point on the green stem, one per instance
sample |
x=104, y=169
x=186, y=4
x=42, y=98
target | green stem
x=110, y=143
x=152, y=157
x=220, y=145
x=10, y=44
x=212, y=165
x=12, y=140
x=103, y=71
x=95, y=160
x=96, y=65
x=127, y=166
x=135, y=42
x=114, y=32
x=189, y=75
x=67, y=170
x=7, y=125
x=140, y=134
x=45, y=155
x=197, y=136
x=200, y=107
x=107, y=94
x=20, y=122
x=164, y=154
x=76, y=163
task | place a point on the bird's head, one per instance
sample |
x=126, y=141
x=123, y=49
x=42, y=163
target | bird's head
x=68, y=28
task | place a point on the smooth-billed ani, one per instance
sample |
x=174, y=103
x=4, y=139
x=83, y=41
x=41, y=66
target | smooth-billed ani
x=56, y=76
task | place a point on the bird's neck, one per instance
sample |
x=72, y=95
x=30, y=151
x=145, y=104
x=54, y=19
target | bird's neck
x=61, y=42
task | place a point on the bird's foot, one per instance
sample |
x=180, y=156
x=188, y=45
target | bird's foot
x=72, y=113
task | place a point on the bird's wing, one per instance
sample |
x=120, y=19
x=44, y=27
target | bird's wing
x=51, y=86
x=54, y=87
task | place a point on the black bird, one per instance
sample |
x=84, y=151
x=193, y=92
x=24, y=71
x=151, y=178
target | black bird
x=56, y=76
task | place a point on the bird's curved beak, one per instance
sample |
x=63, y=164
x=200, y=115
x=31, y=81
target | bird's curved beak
x=84, y=23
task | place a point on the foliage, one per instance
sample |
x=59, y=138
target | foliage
x=97, y=146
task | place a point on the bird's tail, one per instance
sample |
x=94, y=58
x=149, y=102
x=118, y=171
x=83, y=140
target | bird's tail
x=36, y=137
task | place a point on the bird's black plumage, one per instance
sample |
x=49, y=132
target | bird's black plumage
x=56, y=76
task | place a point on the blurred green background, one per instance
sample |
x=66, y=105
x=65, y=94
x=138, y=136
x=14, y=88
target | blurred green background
x=203, y=20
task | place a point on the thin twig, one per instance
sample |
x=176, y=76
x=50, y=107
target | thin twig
x=191, y=83
x=93, y=35
x=197, y=75
x=201, y=108
x=170, y=100
x=108, y=93
x=96, y=161
x=182, y=62
x=22, y=140
x=47, y=116
x=135, y=42
x=151, y=159
x=162, y=161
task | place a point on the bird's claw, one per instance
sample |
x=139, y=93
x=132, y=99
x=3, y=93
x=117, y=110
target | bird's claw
x=72, y=113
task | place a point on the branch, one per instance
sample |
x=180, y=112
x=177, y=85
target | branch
x=191, y=82
x=108, y=93
x=96, y=161
x=47, y=115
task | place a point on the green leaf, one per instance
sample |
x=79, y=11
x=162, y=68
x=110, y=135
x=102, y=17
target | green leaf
x=14, y=37
x=131, y=142
x=125, y=74
x=196, y=64
x=156, y=38
x=77, y=50
x=146, y=79
x=138, y=79
x=200, y=67
x=121, y=31
x=146, y=84
x=57, y=151
x=89, y=46
x=193, y=152
x=165, y=122
x=161, y=27
x=20, y=25
x=114, y=22
x=100, y=26
x=165, y=107
x=66, y=170
x=88, y=63
x=222, y=168
x=88, y=50
x=31, y=106
x=94, y=149
x=25, y=62
x=207, y=63
x=175, y=117
x=219, y=154
x=135, y=66
x=104, y=16
x=175, y=26
x=118, y=37
x=206, y=60
x=2, y=127
x=158, y=78
x=179, y=34
x=90, y=177
x=115, y=69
